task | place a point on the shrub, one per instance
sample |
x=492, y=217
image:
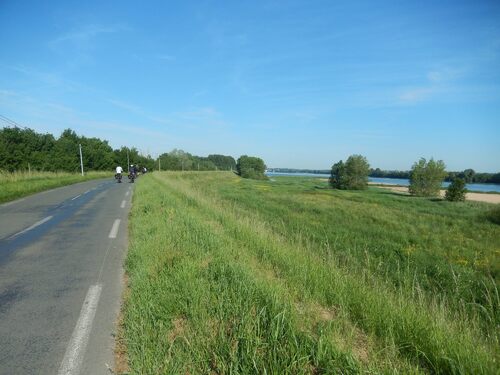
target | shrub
x=353, y=174
x=456, y=191
x=251, y=167
x=336, y=175
x=426, y=178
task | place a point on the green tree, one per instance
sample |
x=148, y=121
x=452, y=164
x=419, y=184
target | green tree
x=185, y=159
x=21, y=149
x=176, y=160
x=97, y=154
x=169, y=162
x=251, y=167
x=120, y=157
x=352, y=175
x=42, y=156
x=337, y=174
x=147, y=161
x=223, y=162
x=456, y=191
x=426, y=177
x=66, y=155
x=468, y=175
x=203, y=164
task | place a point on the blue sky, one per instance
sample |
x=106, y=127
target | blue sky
x=299, y=83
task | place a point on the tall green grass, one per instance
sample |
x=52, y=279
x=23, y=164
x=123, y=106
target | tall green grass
x=19, y=184
x=236, y=276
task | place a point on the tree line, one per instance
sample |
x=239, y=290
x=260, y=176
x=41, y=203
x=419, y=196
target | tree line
x=425, y=177
x=468, y=175
x=179, y=160
x=24, y=149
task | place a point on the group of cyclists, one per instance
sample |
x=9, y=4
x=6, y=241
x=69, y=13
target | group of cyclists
x=132, y=172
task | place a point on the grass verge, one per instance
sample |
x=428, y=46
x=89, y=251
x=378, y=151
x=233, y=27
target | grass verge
x=236, y=276
x=20, y=184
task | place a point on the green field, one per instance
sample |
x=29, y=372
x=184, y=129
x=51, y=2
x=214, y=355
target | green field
x=20, y=184
x=286, y=276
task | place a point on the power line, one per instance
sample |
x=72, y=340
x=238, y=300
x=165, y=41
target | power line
x=8, y=121
x=11, y=122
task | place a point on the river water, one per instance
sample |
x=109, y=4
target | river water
x=394, y=181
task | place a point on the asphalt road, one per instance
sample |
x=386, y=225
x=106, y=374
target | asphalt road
x=61, y=277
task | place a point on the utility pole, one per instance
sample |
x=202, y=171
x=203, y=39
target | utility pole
x=159, y=164
x=128, y=162
x=81, y=158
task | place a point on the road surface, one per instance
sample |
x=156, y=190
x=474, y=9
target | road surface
x=61, y=270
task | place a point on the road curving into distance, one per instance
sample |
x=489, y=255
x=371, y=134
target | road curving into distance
x=61, y=277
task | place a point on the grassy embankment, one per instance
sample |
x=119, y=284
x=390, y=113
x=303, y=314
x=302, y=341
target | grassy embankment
x=20, y=184
x=238, y=276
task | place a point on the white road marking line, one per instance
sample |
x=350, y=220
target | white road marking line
x=40, y=222
x=75, y=351
x=87, y=192
x=127, y=193
x=123, y=204
x=78, y=196
x=114, y=229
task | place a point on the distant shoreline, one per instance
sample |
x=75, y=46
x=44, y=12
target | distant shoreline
x=483, y=188
x=488, y=197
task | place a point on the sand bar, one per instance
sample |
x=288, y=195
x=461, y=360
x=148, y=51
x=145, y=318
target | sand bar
x=479, y=197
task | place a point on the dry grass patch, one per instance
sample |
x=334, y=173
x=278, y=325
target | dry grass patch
x=179, y=327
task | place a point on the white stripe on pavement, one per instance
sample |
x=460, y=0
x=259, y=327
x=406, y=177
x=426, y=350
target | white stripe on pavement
x=75, y=351
x=40, y=222
x=78, y=196
x=127, y=193
x=114, y=229
x=123, y=204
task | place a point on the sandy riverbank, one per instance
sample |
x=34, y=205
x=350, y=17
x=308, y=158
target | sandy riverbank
x=480, y=197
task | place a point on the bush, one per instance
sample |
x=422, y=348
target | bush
x=456, y=191
x=251, y=167
x=353, y=174
x=426, y=178
x=336, y=175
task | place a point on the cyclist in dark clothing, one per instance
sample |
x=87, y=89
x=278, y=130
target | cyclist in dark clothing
x=133, y=170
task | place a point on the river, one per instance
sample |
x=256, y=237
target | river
x=483, y=188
